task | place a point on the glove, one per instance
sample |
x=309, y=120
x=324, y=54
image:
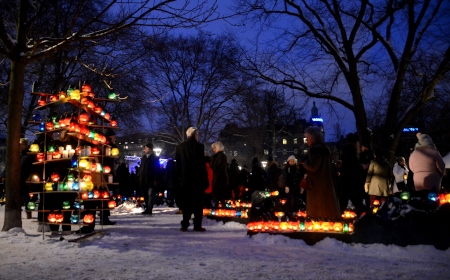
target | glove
x=286, y=189
x=366, y=187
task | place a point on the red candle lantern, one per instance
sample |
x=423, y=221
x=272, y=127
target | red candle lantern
x=107, y=116
x=88, y=219
x=106, y=169
x=62, y=95
x=40, y=157
x=84, y=130
x=49, y=125
x=55, y=177
x=51, y=218
x=54, y=98
x=59, y=218
x=95, y=151
x=84, y=100
x=84, y=118
x=98, y=109
x=42, y=101
x=84, y=195
x=56, y=155
x=78, y=150
x=111, y=204
x=96, y=194
x=105, y=194
x=86, y=88
x=113, y=122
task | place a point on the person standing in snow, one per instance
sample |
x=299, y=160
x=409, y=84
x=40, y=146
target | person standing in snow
x=148, y=174
x=378, y=178
x=219, y=167
x=190, y=159
x=400, y=172
x=321, y=198
x=427, y=165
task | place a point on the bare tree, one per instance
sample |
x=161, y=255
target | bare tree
x=191, y=82
x=353, y=53
x=24, y=40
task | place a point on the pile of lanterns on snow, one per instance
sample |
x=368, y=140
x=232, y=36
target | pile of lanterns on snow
x=231, y=208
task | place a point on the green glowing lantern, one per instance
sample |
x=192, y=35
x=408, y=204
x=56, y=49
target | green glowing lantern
x=31, y=205
x=66, y=205
x=405, y=195
x=302, y=225
x=345, y=230
x=112, y=95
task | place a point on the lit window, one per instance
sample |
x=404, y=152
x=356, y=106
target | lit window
x=304, y=140
x=305, y=151
x=126, y=143
x=295, y=140
x=126, y=147
x=284, y=141
x=266, y=152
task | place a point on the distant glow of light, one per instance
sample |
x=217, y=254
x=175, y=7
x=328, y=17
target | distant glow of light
x=317, y=119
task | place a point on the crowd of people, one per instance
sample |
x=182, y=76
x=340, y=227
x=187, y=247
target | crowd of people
x=194, y=180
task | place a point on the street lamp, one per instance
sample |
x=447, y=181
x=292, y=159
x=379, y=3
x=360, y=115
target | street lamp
x=157, y=151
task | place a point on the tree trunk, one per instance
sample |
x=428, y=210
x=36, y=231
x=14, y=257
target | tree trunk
x=13, y=205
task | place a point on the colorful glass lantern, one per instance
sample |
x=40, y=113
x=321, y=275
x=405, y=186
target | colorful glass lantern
x=106, y=169
x=75, y=94
x=59, y=217
x=56, y=155
x=40, y=157
x=34, y=148
x=49, y=125
x=55, y=177
x=405, y=195
x=112, y=204
x=105, y=194
x=98, y=109
x=84, y=195
x=83, y=164
x=42, y=101
x=84, y=130
x=95, y=151
x=96, y=194
x=89, y=185
x=74, y=219
x=42, y=126
x=432, y=196
x=31, y=205
x=54, y=97
x=35, y=178
x=84, y=118
x=376, y=202
x=51, y=217
x=90, y=195
x=62, y=94
x=48, y=186
x=69, y=90
x=107, y=116
x=84, y=100
x=86, y=87
x=88, y=219
x=75, y=186
x=114, y=152
x=76, y=205
x=66, y=205
x=113, y=122
x=112, y=95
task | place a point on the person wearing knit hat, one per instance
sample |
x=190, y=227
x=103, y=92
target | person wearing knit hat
x=427, y=165
x=290, y=178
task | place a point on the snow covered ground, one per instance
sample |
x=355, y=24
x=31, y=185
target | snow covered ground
x=143, y=247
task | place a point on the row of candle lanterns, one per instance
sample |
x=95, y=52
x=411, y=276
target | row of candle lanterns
x=61, y=153
x=296, y=226
x=226, y=213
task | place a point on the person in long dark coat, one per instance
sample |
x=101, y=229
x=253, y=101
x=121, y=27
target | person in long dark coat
x=257, y=177
x=191, y=168
x=322, y=201
x=220, y=173
x=148, y=177
x=233, y=176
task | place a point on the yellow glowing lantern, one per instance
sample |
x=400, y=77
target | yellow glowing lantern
x=62, y=94
x=83, y=164
x=48, y=186
x=75, y=94
x=89, y=186
x=114, y=152
x=35, y=178
x=34, y=148
x=337, y=226
x=283, y=226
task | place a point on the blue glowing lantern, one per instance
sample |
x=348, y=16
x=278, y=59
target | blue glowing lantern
x=42, y=126
x=90, y=195
x=74, y=162
x=76, y=205
x=238, y=213
x=432, y=196
x=75, y=186
x=74, y=219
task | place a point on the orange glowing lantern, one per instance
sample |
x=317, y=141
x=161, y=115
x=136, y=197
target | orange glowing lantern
x=84, y=100
x=113, y=122
x=84, y=195
x=42, y=101
x=54, y=98
x=98, y=109
x=62, y=95
x=105, y=194
x=59, y=218
x=95, y=151
x=86, y=88
x=88, y=219
x=51, y=218
x=96, y=194
x=84, y=118
x=49, y=125
x=349, y=214
x=40, y=157
x=107, y=116
x=111, y=204
x=376, y=202
x=106, y=169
